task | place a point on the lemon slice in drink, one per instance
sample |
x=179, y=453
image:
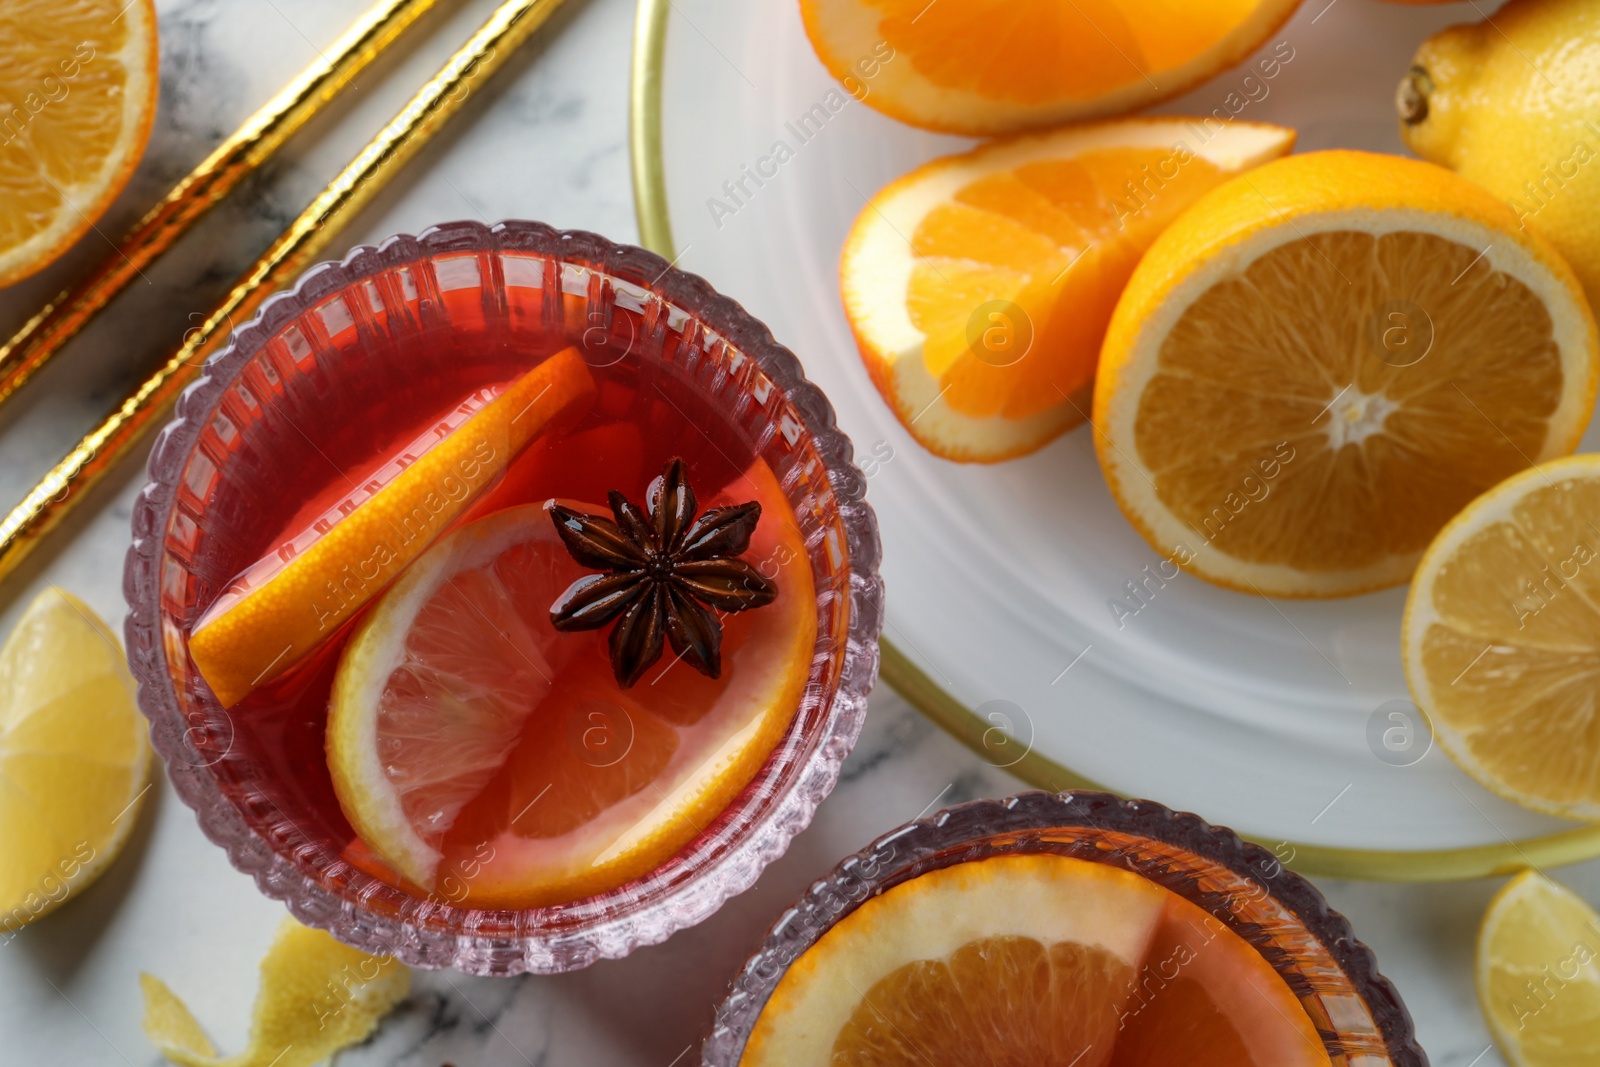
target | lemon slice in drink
x=496, y=762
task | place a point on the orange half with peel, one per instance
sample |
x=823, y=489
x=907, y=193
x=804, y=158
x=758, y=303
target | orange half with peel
x=319, y=576
x=1318, y=365
x=979, y=285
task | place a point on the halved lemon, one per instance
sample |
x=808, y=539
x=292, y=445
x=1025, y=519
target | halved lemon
x=1502, y=638
x=1323, y=361
x=979, y=285
x=1034, y=959
x=984, y=67
x=74, y=756
x=78, y=88
x=496, y=762
x=342, y=554
x=1539, y=974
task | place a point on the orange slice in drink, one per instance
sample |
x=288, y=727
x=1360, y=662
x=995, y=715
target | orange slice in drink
x=286, y=603
x=979, y=285
x=1032, y=959
x=78, y=86
x=984, y=67
x=496, y=762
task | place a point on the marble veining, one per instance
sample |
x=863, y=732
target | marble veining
x=547, y=140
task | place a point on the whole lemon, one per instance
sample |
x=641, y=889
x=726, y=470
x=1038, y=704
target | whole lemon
x=1513, y=103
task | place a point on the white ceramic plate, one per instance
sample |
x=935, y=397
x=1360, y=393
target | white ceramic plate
x=1269, y=716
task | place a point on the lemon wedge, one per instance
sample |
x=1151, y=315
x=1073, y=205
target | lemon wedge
x=1539, y=974
x=74, y=756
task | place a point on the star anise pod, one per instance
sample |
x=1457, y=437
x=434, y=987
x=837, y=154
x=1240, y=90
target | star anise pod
x=665, y=572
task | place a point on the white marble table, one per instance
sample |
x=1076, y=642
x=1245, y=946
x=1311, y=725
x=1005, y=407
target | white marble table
x=546, y=140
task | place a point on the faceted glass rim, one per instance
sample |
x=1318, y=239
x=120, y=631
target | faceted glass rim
x=575, y=943
x=967, y=832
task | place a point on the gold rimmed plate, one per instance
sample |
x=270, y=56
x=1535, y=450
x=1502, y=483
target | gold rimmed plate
x=1024, y=615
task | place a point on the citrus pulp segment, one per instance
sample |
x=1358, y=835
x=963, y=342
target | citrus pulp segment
x=1032, y=959
x=74, y=755
x=496, y=762
x=985, y=67
x=321, y=575
x=979, y=285
x=1538, y=973
x=1501, y=638
x=1321, y=362
x=79, y=85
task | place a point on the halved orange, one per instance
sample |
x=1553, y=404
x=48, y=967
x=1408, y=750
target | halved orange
x=979, y=285
x=984, y=67
x=497, y=763
x=343, y=556
x=1320, y=363
x=77, y=100
x=1032, y=959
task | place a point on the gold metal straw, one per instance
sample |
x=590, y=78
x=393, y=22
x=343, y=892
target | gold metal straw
x=44, y=335
x=405, y=135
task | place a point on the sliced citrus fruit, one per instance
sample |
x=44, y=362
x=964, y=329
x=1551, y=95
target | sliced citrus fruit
x=316, y=997
x=78, y=83
x=984, y=67
x=1032, y=959
x=1502, y=638
x=1321, y=362
x=1539, y=974
x=979, y=285
x=74, y=757
x=494, y=761
x=335, y=561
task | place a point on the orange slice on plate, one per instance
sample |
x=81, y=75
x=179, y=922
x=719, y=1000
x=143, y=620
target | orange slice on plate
x=495, y=762
x=1032, y=959
x=78, y=83
x=1320, y=363
x=979, y=285
x=293, y=598
x=984, y=67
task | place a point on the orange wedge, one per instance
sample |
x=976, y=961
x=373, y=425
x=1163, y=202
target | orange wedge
x=1323, y=361
x=496, y=762
x=984, y=67
x=78, y=86
x=979, y=285
x=285, y=604
x=1034, y=959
